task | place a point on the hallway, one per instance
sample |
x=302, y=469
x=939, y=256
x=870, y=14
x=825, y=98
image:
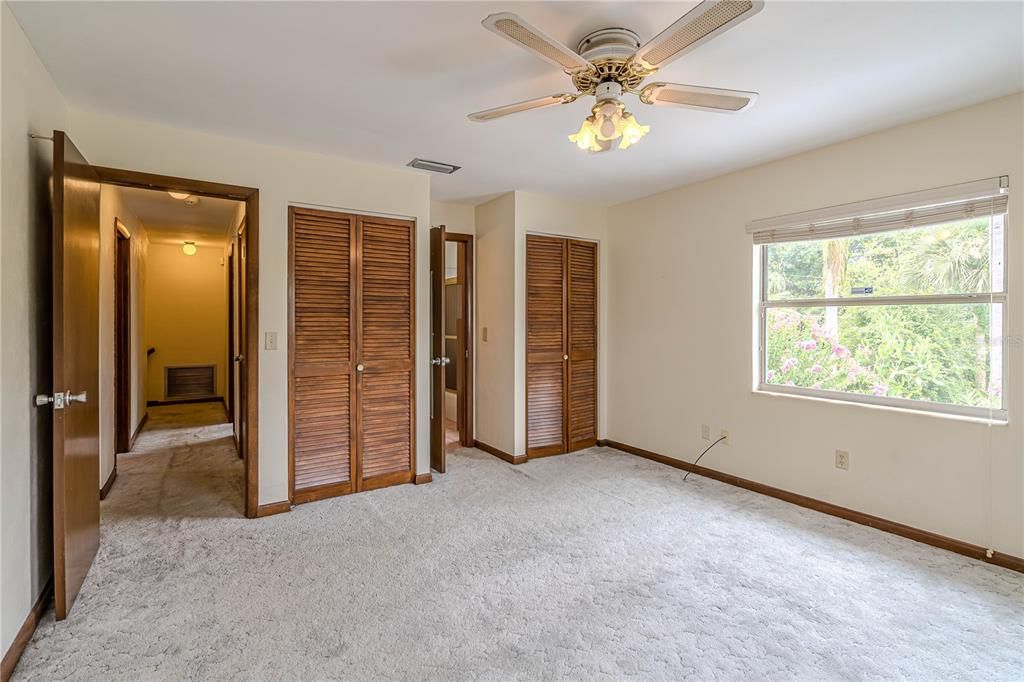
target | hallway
x=184, y=464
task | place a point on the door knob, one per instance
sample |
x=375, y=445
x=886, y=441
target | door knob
x=82, y=397
x=565, y=357
x=239, y=357
x=360, y=367
x=440, y=361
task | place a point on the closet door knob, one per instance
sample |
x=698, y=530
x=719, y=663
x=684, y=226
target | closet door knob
x=360, y=367
x=565, y=357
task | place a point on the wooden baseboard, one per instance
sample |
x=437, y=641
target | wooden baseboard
x=138, y=430
x=500, y=454
x=423, y=478
x=105, y=490
x=21, y=640
x=187, y=401
x=273, y=508
x=1009, y=561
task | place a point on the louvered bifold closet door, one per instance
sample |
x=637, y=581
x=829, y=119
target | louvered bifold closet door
x=545, y=345
x=321, y=353
x=385, y=351
x=582, y=374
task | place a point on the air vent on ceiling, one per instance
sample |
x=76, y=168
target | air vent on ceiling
x=433, y=166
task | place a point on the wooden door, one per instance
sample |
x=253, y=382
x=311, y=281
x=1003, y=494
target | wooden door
x=76, y=465
x=582, y=343
x=321, y=352
x=546, y=339
x=122, y=341
x=437, y=349
x=385, y=347
x=240, y=364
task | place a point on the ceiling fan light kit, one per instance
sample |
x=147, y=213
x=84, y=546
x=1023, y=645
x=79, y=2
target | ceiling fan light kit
x=610, y=62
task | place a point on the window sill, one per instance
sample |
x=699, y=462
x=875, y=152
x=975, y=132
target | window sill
x=768, y=392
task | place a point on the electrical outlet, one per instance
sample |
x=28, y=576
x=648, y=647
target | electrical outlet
x=842, y=459
x=725, y=437
x=705, y=432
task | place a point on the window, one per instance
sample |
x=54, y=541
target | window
x=899, y=301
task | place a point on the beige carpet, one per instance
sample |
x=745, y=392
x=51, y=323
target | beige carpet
x=592, y=565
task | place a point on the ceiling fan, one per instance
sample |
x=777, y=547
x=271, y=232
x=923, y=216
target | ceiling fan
x=611, y=61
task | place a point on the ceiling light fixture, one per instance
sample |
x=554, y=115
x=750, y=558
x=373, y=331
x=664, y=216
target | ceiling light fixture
x=609, y=121
x=189, y=248
x=179, y=195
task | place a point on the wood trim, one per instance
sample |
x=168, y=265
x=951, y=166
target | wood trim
x=105, y=490
x=24, y=636
x=273, y=508
x=423, y=478
x=138, y=430
x=467, y=431
x=251, y=197
x=1009, y=561
x=122, y=338
x=500, y=454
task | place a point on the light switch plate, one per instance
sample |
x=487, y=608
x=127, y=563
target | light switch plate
x=271, y=341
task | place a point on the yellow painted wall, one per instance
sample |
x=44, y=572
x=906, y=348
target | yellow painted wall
x=186, y=312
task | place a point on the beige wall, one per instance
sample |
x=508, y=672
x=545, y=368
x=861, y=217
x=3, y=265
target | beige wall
x=456, y=217
x=283, y=176
x=30, y=104
x=186, y=312
x=112, y=206
x=501, y=227
x=495, y=310
x=681, y=338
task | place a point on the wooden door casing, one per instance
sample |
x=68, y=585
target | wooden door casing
x=76, y=238
x=437, y=348
x=351, y=353
x=561, y=345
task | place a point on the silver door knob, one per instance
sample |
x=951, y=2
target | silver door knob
x=239, y=357
x=565, y=357
x=440, y=362
x=82, y=397
x=360, y=367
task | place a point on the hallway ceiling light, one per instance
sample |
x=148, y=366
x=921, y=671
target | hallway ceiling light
x=189, y=248
x=179, y=195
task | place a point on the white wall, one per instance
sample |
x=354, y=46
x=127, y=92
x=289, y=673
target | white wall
x=112, y=206
x=283, y=176
x=31, y=104
x=682, y=311
x=495, y=311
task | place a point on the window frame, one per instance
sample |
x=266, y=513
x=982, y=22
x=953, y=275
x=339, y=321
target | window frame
x=763, y=303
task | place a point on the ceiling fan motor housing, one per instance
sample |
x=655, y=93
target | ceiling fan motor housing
x=609, y=43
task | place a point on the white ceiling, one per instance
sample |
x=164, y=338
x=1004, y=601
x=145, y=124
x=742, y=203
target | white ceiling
x=385, y=82
x=167, y=219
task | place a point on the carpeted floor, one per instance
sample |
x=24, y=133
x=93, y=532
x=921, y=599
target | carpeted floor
x=596, y=564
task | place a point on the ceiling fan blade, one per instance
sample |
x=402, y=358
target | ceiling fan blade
x=539, y=103
x=697, y=97
x=512, y=27
x=702, y=23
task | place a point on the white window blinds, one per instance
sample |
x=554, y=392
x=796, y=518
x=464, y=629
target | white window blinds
x=977, y=199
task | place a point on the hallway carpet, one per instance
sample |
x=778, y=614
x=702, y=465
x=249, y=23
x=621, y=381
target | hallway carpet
x=591, y=565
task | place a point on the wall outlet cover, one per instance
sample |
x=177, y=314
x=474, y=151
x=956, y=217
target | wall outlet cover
x=725, y=437
x=842, y=460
